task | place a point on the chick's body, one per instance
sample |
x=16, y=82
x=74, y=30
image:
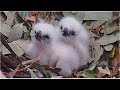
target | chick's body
x=52, y=51
x=79, y=40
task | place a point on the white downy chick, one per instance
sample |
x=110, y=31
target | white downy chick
x=1, y=75
x=74, y=34
x=51, y=51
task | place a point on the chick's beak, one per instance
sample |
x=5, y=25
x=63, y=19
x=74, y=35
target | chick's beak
x=65, y=32
x=38, y=35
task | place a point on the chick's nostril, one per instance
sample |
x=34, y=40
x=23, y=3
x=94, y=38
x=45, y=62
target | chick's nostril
x=65, y=29
x=65, y=33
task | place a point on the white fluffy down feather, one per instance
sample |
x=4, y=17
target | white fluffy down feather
x=73, y=33
x=1, y=75
x=51, y=51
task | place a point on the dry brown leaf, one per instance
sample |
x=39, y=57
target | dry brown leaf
x=115, y=64
x=110, y=29
x=113, y=19
x=14, y=72
x=88, y=24
x=98, y=23
x=77, y=74
x=22, y=43
x=97, y=31
x=105, y=71
x=108, y=39
x=31, y=18
x=98, y=51
x=54, y=70
x=101, y=75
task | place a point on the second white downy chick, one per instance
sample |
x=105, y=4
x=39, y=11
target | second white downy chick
x=51, y=51
x=74, y=34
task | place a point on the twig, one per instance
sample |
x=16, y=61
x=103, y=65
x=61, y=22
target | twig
x=21, y=69
x=30, y=61
x=22, y=76
x=9, y=48
x=14, y=71
x=5, y=66
x=8, y=62
x=56, y=16
x=46, y=19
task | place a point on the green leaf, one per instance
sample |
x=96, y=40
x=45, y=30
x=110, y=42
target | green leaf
x=41, y=69
x=32, y=73
x=89, y=74
x=22, y=14
x=112, y=53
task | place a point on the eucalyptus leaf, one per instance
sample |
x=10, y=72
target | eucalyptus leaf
x=41, y=69
x=89, y=24
x=32, y=73
x=112, y=53
x=108, y=47
x=18, y=51
x=108, y=39
x=110, y=29
x=78, y=15
x=17, y=32
x=105, y=71
x=22, y=43
x=5, y=29
x=3, y=17
x=98, y=23
x=10, y=17
x=98, y=51
x=89, y=74
x=53, y=21
x=98, y=15
x=22, y=14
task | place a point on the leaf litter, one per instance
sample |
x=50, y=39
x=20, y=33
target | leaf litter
x=104, y=44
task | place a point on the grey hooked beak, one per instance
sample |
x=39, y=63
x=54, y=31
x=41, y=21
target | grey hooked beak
x=65, y=32
x=38, y=35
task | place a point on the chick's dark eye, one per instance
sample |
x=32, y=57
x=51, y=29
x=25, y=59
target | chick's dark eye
x=46, y=36
x=72, y=33
x=61, y=27
x=35, y=32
